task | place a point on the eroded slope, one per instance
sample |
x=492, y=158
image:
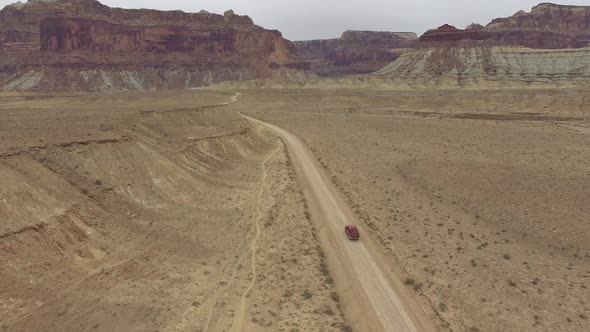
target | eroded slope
x=121, y=215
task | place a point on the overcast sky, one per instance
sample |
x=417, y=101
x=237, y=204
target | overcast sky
x=316, y=19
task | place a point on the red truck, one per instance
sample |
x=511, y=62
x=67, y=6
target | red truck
x=352, y=232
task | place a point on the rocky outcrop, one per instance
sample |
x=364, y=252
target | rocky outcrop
x=84, y=37
x=449, y=33
x=547, y=26
x=20, y=21
x=355, y=52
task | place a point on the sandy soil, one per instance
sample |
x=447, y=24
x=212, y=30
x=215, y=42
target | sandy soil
x=484, y=211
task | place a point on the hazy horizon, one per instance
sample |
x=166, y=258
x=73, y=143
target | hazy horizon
x=306, y=19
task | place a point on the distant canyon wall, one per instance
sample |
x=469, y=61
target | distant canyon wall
x=547, y=26
x=494, y=67
x=82, y=37
x=71, y=34
x=356, y=52
x=83, y=45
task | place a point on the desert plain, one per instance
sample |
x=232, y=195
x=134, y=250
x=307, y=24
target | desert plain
x=171, y=211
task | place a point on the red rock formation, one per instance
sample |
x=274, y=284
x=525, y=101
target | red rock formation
x=69, y=34
x=548, y=17
x=85, y=36
x=355, y=52
x=547, y=26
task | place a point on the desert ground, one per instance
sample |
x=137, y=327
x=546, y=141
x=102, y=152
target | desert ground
x=169, y=211
x=480, y=197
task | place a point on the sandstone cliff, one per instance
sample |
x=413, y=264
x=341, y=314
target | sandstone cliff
x=547, y=16
x=355, y=52
x=547, y=26
x=84, y=45
x=71, y=34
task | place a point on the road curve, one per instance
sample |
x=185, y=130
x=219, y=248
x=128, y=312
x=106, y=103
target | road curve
x=372, y=298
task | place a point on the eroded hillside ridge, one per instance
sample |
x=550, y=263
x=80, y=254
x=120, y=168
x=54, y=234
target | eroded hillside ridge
x=464, y=65
x=547, y=26
x=76, y=38
x=356, y=52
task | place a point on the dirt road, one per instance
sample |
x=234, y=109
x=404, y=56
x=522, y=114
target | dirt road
x=373, y=298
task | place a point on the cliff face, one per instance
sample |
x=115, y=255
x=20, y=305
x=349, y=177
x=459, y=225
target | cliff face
x=71, y=34
x=83, y=36
x=21, y=21
x=547, y=26
x=355, y=52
